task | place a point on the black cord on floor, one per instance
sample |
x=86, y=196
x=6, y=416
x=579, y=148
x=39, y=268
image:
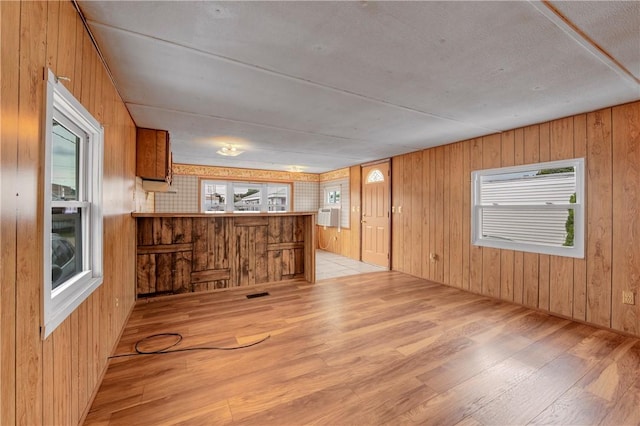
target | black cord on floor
x=178, y=336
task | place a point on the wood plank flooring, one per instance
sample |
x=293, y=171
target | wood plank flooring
x=377, y=348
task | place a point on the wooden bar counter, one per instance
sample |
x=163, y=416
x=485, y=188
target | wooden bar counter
x=181, y=252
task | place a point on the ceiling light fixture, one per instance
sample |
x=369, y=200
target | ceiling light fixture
x=296, y=169
x=229, y=151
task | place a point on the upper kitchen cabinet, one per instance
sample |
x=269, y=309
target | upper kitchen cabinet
x=153, y=155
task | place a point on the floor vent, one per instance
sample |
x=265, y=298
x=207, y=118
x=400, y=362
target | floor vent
x=254, y=295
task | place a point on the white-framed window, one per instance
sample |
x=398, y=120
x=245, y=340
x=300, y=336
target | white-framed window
x=278, y=197
x=244, y=197
x=332, y=196
x=535, y=208
x=213, y=197
x=72, y=205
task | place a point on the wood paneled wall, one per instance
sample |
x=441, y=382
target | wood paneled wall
x=355, y=197
x=52, y=381
x=331, y=240
x=431, y=219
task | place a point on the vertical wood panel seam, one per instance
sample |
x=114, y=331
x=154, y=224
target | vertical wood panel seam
x=15, y=220
x=611, y=242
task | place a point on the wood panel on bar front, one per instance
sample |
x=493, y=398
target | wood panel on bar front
x=202, y=252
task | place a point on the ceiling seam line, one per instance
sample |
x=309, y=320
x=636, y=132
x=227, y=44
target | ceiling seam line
x=299, y=79
x=233, y=120
x=583, y=39
x=304, y=132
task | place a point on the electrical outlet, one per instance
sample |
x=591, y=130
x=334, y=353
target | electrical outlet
x=628, y=298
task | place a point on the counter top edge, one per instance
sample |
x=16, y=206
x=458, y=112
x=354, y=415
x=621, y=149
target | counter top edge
x=134, y=214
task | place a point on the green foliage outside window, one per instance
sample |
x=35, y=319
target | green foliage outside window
x=556, y=171
x=568, y=242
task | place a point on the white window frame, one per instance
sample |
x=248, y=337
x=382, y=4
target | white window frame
x=265, y=197
x=336, y=190
x=577, y=251
x=230, y=205
x=203, y=195
x=59, y=303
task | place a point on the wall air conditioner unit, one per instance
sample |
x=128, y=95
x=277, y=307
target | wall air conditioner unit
x=329, y=216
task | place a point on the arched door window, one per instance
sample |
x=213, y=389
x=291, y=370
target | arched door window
x=374, y=176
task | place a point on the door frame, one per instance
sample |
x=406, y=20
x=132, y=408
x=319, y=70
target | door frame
x=390, y=198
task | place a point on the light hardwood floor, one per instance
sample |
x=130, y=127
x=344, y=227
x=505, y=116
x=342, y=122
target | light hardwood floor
x=377, y=348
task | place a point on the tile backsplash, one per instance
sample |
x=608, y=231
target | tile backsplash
x=183, y=197
x=306, y=196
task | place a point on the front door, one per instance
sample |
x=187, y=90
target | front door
x=375, y=214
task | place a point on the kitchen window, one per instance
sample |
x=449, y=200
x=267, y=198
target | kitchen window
x=244, y=197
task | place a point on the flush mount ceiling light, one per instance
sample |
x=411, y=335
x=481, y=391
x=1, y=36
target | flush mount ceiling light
x=296, y=169
x=229, y=151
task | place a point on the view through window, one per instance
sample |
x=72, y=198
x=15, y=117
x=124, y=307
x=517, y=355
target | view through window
x=73, y=205
x=238, y=197
x=537, y=208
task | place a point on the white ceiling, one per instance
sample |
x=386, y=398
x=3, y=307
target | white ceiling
x=325, y=85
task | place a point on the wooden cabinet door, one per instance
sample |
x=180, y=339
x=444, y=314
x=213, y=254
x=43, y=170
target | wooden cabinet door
x=153, y=154
x=161, y=162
